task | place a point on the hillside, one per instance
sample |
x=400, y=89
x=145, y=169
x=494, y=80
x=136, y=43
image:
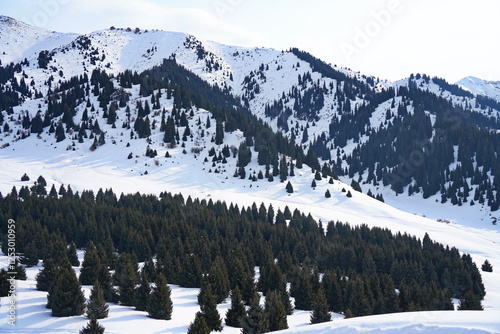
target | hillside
x=152, y=111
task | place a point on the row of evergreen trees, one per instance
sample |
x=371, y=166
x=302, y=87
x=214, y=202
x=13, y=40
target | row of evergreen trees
x=193, y=240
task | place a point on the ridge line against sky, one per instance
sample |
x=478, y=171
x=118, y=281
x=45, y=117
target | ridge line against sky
x=389, y=39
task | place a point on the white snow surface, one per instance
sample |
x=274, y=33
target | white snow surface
x=469, y=229
x=479, y=86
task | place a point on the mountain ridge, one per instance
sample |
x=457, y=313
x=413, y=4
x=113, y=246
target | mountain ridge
x=334, y=111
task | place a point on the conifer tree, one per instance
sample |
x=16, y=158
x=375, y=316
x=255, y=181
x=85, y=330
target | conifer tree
x=142, y=293
x=236, y=313
x=208, y=306
x=320, y=311
x=160, y=304
x=289, y=188
x=90, y=266
x=72, y=256
x=47, y=275
x=255, y=322
x=96, y=306
x=104, y=277
x=93, y=327
x=275, y=312
x=199, y=325
x=65, y=296
x=126, y=278
x=486, y=266
x=219, y=279
x=4, y=283
x=470, y=302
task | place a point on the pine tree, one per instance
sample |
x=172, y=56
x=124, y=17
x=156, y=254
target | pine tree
x=199, y=325
x=65, y=294
x=255, y=322
x=320, y=311
x=4, y=283
x=72, y=256
x=93, y=327
x=275, y=312
x=289, y=188
x=142, y=293
x=96, y=306
x=470, y=302
x=126, y=278
x=47, y=275
x=208, y=307
x=486, y=266
x=160, y=304
x=327, y=194
x=219, y=133
x=90, y=266
x=236, y=313
x=219, y=279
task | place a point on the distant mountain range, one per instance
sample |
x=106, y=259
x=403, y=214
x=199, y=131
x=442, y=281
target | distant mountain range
x=262, y=111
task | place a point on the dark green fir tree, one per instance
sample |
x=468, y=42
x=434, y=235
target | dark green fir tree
x=199, y=325
x=160, y=303
x=275, y=312
x=208, y=306
x=90, y=266
x=320, y=311
x=142, y=293
x=96, y=306
x=255, y=322
x=236, y=313
x=46, y=276
x=65, y=293
x=93, y=327
x=72, y=256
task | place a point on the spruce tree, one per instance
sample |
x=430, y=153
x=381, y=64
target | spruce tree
x=47, y=275
x=275, y=312
x=255, y=322
x=72, y=256
x=90, y=266
x=160, y=304
x=219, y=279
x=93, y=327
x=236, y=313
x=142, y=293
x=96, y=306
x=126, y=278
x=65, y=294
x=320, y=311
x=208, y=306
x=289, y=188
x=199, y=325
x=486, y=266
x=470, y=302
x=4, y=283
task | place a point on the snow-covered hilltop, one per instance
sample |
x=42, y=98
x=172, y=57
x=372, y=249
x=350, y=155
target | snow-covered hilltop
x=152, y=111
x=481, y=87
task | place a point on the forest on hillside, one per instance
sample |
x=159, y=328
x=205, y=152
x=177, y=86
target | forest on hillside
x=210, y=245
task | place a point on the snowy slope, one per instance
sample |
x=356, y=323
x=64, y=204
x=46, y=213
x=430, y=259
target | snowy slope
x=70, y=162
x=481, y=87
x=20, y=40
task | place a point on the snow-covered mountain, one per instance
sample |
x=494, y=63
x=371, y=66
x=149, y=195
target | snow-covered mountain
x=55, y=81
x=481, y=87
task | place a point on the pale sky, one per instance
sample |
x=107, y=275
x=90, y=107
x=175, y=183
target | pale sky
x=386, y=38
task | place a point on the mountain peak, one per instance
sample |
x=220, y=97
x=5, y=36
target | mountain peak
x=479, y=86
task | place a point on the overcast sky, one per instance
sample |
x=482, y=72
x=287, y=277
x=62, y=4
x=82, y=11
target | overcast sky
x=386, y=38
